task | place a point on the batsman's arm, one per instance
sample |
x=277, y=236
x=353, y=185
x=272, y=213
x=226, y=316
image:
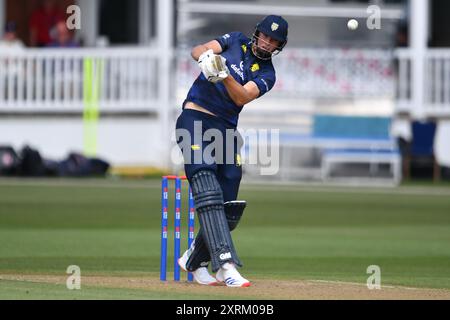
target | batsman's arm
x=197, y=51
x=241, y=94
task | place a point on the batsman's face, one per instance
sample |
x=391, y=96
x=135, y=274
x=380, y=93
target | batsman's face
x=267, y=43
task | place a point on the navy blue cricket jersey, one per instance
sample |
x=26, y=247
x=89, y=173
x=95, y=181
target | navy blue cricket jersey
x=244, y=67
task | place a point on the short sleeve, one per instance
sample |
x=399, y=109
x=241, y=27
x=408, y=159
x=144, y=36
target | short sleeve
x=227, y=39
x=265, y=82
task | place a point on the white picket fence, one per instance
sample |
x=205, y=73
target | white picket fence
x=322, y=73
x=55, y=79
x=436, y=82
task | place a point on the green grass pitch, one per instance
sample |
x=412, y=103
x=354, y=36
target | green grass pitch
x=112, y=227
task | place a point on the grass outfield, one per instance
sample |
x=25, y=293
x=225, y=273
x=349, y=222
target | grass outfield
x=111, y=228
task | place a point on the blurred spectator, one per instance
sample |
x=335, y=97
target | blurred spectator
x=402, y=35
x=62, y=37
x=10, y=39
x=42, y=21
x=401, y=130
x=12, y=67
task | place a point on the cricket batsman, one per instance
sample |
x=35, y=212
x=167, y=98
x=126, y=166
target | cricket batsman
x=235, y=70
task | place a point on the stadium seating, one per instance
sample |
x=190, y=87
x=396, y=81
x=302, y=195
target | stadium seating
x=357, y=140
x=342, y=140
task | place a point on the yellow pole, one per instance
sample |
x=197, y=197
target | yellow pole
x=93, y=73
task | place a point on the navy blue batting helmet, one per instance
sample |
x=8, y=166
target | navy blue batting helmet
x=275, y=27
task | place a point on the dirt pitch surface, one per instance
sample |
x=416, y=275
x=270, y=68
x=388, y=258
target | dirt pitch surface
x=260, y=289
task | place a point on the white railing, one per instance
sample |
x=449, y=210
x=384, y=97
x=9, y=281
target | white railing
x=436, y=82
x=404, y=79
x=125, y=79
x=322, y=73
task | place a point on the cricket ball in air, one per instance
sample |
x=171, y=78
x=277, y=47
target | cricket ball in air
x=352, y=24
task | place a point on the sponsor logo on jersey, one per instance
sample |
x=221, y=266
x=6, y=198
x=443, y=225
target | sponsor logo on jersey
x=239, y=71
x=255, y=67
x=244, y=48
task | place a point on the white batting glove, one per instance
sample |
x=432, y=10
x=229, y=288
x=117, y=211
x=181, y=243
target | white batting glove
x=213, y=66
x=205, y=55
